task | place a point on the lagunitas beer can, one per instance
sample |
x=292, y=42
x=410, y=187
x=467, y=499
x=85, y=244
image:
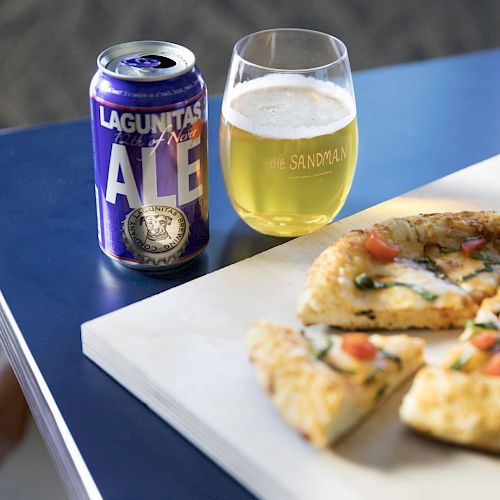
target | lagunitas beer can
x=149, y=126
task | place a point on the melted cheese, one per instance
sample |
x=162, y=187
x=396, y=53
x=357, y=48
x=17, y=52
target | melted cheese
x=456, y=265
x=399, y=297
x=370, y=373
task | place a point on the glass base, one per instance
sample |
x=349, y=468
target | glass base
x=285, y=225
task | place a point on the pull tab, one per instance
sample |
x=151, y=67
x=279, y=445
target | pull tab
x=144, y=64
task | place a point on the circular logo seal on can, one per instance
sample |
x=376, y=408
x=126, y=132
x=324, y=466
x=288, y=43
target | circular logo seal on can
x=156, y=234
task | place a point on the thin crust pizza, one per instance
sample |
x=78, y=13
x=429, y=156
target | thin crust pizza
x=425, y=271
x=323, y=384
x=459, y=402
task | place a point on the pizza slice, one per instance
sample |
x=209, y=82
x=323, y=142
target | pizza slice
x=323, y=384
x=473, y=265
x=460, y=401
x=426, y=271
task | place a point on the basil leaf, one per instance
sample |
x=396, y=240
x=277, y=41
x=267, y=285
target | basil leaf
x=372, y=376
x=486, y=269
x=338, y=369
x=319, y=353
x=365, y=282
x=488, y=325
x=323, y=352
x=485, y=258
x=449, y=249
x=391, y=357
x=469, y=331
x=460, y=362
x=472, y=328
x=381, y=390
x=430, y=266
x=425, y=294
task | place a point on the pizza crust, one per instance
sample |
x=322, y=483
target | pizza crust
x=455, y=407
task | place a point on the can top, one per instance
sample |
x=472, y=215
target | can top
x=146, y=61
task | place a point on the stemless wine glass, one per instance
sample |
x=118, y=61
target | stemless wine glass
x=288, y=132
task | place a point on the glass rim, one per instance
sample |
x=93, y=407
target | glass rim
x=238, y=45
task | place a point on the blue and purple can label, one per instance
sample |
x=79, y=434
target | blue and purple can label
x=149, y=124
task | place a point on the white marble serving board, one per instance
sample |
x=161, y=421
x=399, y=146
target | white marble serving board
x=182, y=353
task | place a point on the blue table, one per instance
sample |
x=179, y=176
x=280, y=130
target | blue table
x=417, y=122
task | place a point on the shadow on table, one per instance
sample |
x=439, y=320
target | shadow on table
x=242, y=242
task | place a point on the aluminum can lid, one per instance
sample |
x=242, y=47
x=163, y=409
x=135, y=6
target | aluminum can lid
x=146, y=61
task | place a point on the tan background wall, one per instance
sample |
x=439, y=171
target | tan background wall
x=48, y=47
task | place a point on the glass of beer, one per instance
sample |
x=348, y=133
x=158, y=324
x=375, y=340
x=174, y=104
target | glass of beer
x=288, y=132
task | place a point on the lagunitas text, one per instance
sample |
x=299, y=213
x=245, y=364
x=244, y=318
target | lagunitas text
x=149, y=124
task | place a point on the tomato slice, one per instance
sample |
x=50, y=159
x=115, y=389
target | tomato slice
x=492, y=367
x=358, y=346
x=485, y=340
x=379, y=248
x=469, y=247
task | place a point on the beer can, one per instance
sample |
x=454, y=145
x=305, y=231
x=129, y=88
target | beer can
x=148, y=105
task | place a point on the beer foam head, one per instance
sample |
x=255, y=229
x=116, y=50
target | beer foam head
x=289, y=106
